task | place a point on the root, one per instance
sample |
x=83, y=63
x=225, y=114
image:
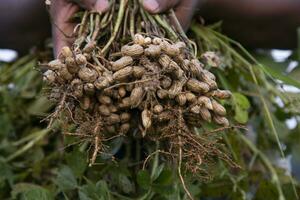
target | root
x=152, y=154
x=179, y=171
x=226, y=128
x=96, y=150
x=57, y=111
x=130, y=83
x=97, y=142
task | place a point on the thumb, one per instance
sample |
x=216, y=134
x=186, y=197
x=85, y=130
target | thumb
x=158, y=6
x=95, y=5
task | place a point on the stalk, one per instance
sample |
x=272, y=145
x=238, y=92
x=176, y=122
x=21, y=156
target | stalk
x=122, y=7
x=39, y=135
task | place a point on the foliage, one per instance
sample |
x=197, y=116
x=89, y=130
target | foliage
x=38, y=163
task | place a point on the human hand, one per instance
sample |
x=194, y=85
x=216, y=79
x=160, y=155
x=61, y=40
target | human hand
x=61, y=12
x=184, y=9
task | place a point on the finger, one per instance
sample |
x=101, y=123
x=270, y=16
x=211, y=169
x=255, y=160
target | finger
x=62, y=27
x=184, y=12
x=96, y=5
x=101, y=5
x=61, y=40
x=159, y=6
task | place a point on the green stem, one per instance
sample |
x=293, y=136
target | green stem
x=153, y=24
x=180, y=29
x=96, y=27
x=120, y=196
x=125, y=24
x=40, y=135
x=156, y=160
x=165, y=25
x=150, y=193
x=25, y=139
x=267, y=164
x=220, y=38
x=265, y=106
x=83, y=22
x=144, y=19
x=92, y=22
x=250, y=68
x=116, y=27
x=132, y=18
x=108, y=15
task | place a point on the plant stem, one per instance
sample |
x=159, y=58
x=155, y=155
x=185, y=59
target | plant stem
x=39, y=135
x=150, y=193
x=267, y=164
x=165, y=25
x=116, y=27
x=179, y=28
x=156, y=160
x=250, y=68
x=92, y=22
x=153, y=24
x=97, y=27
x=25, y=139
x=221, y=39
x=108, y=15
x=83, y=22
x=131, y=22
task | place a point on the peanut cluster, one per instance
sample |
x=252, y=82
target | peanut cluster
x=142, y=86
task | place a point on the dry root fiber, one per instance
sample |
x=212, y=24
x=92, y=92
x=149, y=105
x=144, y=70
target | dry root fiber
x=105, y=87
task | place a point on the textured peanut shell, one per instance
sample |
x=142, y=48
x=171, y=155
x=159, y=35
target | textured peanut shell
x=197, y=86
x=132, y=50
x=123, y=73
x=121, y=63
x=146, y=118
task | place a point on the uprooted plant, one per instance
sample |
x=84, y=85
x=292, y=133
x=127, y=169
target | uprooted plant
x=130, y=70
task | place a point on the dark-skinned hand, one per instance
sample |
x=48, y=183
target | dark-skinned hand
x=62, y=10
x=184, y=9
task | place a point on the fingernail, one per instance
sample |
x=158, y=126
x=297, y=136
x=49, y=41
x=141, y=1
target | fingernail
x=151, y=5
x=101, y=5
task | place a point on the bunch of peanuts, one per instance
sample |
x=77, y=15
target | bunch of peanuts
x=147, y=78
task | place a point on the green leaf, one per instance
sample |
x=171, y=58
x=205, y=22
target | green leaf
x=295, y=73
x=39, y=107
x=77, y=161
x=266, y=59
x=27, y=191
x=278, y=75
x=83, y=196
x=163, y=190
x=103, y=189
x=157, y=171
x=241, y=100
x=241, y=106
x=125, y=184
x=217, y=189
x=165, y=177
x=266, y=190
x=5, y=173
x=92, y=191
x=241, y=115
x=143, y=179
x=66, y=179
x=288, y=191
